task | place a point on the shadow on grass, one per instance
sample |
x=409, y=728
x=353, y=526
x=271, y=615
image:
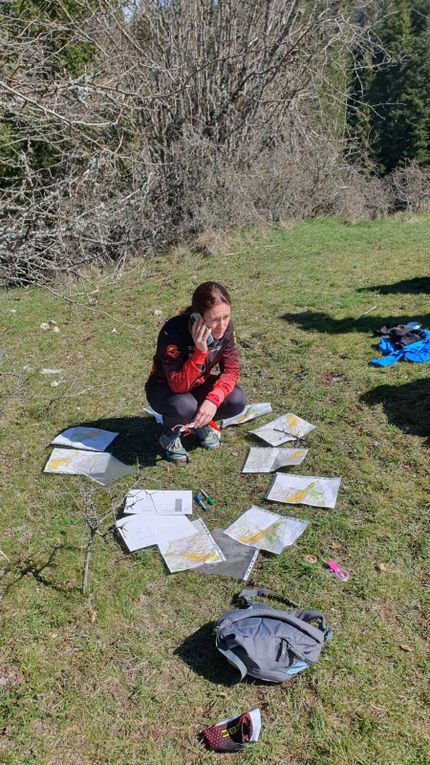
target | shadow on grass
x=15, y=571
x=200, y=653
x=137, y=440
x=324, y=323
x=406, y=286
x=406, y=406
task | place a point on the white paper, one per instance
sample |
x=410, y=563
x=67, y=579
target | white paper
x=265, y=459
x=304, y=490
x=101, y=467
x=264, y=530
x=159, y=502
x=283, y=429
x=250, y=412
x=191, y=551
x=82, y=437
x=144, y=530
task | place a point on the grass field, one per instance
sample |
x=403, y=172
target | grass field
x=128, y=675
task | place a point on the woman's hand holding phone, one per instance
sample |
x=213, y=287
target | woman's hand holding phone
x=200, y=332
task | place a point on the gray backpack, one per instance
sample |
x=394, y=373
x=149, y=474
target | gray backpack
x=268, y=644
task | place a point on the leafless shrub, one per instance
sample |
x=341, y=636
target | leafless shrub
x=280, y=184
x=190, y=113
x=364, y=196
x=411, y=185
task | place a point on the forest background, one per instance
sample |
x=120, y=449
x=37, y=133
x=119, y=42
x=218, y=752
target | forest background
x=128, y=127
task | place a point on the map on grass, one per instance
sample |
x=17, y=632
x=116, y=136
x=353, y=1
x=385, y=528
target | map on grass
x=82, y=437
x=145, y=530
x=283, y=429
x=304, y=490
x=157, y=417
x=266, y=459
x=101, y=467
x=159, y=502
x=264, y=530
x=250, y=412
x=191, y=551
x=239, y=559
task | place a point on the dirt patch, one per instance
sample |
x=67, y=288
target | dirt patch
x=330, y=379
x=10, y=675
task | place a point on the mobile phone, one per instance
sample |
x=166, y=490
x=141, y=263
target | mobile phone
x=195, y=317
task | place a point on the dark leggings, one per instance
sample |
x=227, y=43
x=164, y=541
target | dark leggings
x=180, y=408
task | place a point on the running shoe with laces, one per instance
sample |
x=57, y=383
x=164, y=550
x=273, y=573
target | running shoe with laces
x=209, y=437
x=172, y=447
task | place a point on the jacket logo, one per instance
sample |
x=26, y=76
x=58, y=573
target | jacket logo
x=173, y=351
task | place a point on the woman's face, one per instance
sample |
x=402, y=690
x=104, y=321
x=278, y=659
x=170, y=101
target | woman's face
x=217, y=319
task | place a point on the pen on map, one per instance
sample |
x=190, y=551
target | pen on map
x=199, y=502
x=207, y=497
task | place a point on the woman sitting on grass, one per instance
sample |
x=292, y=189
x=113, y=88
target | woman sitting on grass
x=181, y=386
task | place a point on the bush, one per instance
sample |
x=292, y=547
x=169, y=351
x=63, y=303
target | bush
x=411, y=185
x=186, y=116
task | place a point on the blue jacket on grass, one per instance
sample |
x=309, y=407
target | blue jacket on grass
x=414, y=352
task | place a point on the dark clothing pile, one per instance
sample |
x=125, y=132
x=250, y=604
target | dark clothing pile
x=400, y=335
x=401, y=342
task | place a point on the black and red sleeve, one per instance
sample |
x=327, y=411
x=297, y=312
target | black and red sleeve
x=181, y=371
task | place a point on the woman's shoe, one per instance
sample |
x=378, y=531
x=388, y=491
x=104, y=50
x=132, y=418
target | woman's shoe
x=209, y=437
x=171, y=444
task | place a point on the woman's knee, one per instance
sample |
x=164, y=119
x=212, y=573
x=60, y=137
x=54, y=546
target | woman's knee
x=236, y=400
x=181, y=405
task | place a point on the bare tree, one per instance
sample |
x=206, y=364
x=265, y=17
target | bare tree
x=174, y=118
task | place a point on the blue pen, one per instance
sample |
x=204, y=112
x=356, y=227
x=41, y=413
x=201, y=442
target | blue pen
x=199, y=502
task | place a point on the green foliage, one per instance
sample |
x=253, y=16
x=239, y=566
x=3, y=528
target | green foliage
x=57, y=24
x=9, y=148
x=60, y=51
x=394, y=123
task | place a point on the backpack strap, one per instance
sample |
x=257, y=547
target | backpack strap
x=309, y=615
x=246, y=597
x=233, y=659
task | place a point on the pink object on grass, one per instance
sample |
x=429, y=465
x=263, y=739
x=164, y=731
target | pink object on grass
x=340, y=573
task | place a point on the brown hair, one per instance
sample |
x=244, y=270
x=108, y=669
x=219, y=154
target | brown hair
x=207, y=295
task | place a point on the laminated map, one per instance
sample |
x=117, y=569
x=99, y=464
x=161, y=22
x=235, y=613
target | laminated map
x=191, y=551
x=239, y=558
x=101, y=467
x=157, y=417
x=283, y=429
x=266, y=459
x=82, y=437
x=250, y=412
x=304, y=490
x=265, y=530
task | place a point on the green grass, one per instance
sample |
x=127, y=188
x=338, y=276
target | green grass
x=135, y=684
